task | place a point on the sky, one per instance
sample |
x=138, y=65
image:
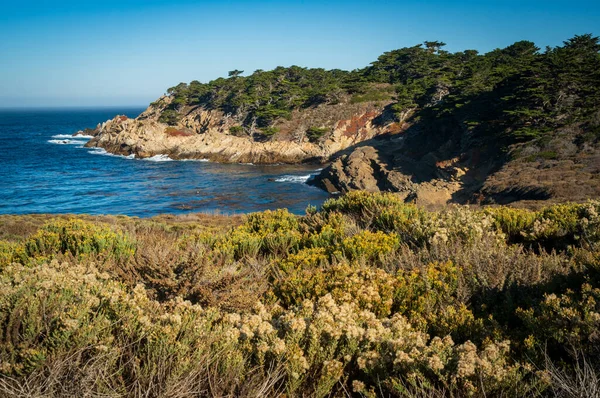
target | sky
x=129, y=52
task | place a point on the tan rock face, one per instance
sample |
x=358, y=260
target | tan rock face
x=205, y=134
x=370, y=169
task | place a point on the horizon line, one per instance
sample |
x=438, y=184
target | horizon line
x=50, y=107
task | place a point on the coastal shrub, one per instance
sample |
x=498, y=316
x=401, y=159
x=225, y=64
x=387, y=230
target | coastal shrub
x=314, y=133
x=134, y=342
x=383, y=212
x=170, y=117
x=8, y=253
x=388, y=213
x=275, y=232
x=308, y=276
x=566, y=322
x=268, y=132
x=554, y=227
x=270, y=221
x=95, y=337
x=512, y=222
x=362, y=206
x=589, y=225
x=78, y=238
x=328, y=231
x=368, y=296
x=370, y=247
x=461, y=225
x=321, y=339
x=406, y=220
x=236, y=130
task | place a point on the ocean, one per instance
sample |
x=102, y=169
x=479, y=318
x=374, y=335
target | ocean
x=45, y=170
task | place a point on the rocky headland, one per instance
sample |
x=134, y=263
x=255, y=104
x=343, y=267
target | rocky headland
x=206, y=134
x=511, y=126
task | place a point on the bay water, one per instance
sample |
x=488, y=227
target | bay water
x=43, y=169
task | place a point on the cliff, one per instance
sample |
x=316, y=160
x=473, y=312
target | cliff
x=557, y=168
x=202, y=133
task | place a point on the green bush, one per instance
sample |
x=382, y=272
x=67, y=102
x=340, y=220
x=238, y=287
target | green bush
x=236, y=130
x=79, y=238
x=170, y=117
x=269, y=131
x=314, y=133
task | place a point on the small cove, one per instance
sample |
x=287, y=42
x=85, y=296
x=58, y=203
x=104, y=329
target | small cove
x=45, y=170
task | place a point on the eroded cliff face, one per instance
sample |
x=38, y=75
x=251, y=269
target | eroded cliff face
x=530, y=174
x=383, y=164
x=206, y=134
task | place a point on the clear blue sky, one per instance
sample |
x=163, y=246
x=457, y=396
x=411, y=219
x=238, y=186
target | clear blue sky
x=128, y=52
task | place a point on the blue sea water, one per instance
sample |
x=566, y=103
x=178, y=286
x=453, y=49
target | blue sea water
x=43, y=170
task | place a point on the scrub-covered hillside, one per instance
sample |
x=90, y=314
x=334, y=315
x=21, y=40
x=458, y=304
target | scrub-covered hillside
x=367, y=296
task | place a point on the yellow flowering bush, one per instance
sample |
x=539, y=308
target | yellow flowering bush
x=367, y=288
x=78, y=238
x=554, y=227
x=8, y=253
x=571, y=319
x=370, y=247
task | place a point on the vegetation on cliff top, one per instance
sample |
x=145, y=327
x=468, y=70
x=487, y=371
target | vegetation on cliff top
x=368, y=296
x=508, y=95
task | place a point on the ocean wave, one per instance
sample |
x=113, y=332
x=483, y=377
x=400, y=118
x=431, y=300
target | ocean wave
x=159, y=158
x=63, y=136
x=291, y=178
x=194, y=160
x=67, y=142
x=299, y=179
x=102, y=151
x=83, y=136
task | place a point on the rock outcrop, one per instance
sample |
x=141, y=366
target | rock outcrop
x=206, y=134
x=530, y=175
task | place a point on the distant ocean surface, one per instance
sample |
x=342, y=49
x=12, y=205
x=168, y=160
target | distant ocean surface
x=45, y=170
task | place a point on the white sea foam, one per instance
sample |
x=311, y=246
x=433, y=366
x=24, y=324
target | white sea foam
x=62, y=136
x=301, y=179
x=83, y=136
x=290, y=178
x=194, y=160
x=102, y=151
x=159, y=158
x=67, y=142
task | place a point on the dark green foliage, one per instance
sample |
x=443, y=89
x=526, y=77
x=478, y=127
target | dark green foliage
x=373, y=94
x=508, y=95
x=236, y=130
x=548, y=155
x=263, y=97
x=235, y=73
x=314, y=133
x=170, y=117
x=268, y=132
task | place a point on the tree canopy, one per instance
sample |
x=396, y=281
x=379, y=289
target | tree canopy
x=511, y=94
